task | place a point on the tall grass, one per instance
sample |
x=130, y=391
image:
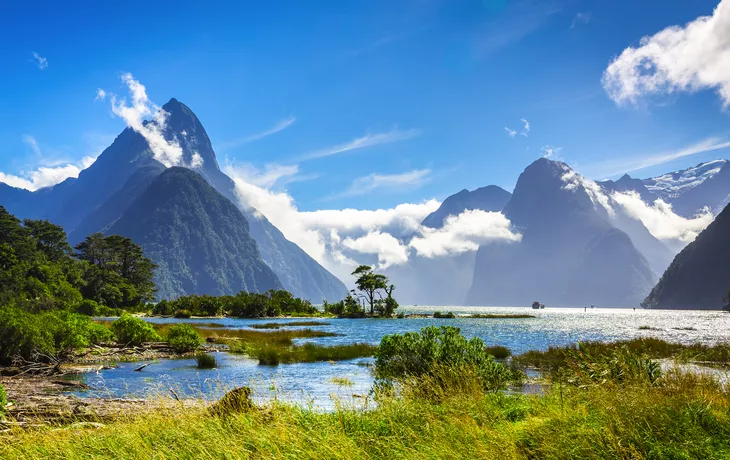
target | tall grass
x=687, y=416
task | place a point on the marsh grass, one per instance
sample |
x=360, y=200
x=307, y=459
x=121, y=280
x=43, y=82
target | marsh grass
x=205, y=361
x=687, y=416
x=290, y=324
x=557, y=357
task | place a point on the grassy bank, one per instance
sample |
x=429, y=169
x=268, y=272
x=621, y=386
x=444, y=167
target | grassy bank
x=685, y=417
x=556, y=357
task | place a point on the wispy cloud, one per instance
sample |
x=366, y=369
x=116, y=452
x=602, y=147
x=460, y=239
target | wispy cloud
x=100, y=94
x=525, y=131
x=638, y=162
x=368, y=140
x=33, y=144
x=279, y=126
x=581, y=18
x=367, y=184
x=525, y=127
x=271, y=175
x=520, y=19
x=40, y=61
x=551, y=152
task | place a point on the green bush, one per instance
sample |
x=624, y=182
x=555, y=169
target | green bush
x=87, y=307
x=414, y=354
x=183, y=338
x=45, y=335
x=205, y=361
x=130, y=330
x=182, y=314
x=438, y=314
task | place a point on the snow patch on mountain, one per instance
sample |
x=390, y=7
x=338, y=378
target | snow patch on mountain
x=672, y=185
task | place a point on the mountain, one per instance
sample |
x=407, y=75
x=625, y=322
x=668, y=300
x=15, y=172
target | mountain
x=121, y=174
x=198, y=238
x=299, y=273
x=628, y=184
x=489, y=198
x=699, y=276
x=445, y=280
x=569, y=255
x=692, y=189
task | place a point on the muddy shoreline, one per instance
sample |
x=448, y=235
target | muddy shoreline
x=43, y=395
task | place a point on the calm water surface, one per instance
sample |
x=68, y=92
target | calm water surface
x=313, y=382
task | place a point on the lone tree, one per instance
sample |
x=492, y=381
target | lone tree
x=370, y=283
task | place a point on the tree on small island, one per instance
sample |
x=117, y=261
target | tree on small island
x=370, y=284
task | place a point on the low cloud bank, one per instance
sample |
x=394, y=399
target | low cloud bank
x=340, y=239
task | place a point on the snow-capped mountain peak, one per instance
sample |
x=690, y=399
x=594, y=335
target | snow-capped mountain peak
x=674, y=184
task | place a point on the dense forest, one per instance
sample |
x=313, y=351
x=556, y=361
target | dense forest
x=41, y=271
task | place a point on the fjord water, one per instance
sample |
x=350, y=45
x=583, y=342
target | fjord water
x=313, y=382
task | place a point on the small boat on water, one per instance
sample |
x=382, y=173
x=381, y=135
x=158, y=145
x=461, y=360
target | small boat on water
x=538, y=306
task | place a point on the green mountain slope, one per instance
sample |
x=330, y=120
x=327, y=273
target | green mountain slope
x=199, y=239
x=699, y=276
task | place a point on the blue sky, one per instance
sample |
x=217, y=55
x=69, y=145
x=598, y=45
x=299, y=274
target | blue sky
x=426, y=88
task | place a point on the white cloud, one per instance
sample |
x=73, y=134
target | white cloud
x=510, y=132
x=525, y=127
x=463, y=233
x=340, y=239
x=196, y=161
x=637, y=162
x=279, y=126
x=41, y=62
x=169, y=153
x=100, y=94
x=372, y=182
x=50, y=173
x=685, y=58
x=368, y=140
x=661, y=221
x=149, y=120
x=41, y=177
x=574, y=181
x=551, y=152
x=389, y=249
x=659, y=218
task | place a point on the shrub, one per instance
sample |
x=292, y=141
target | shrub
x=163, y=308
x=87, y=307
x=182, y=314
x=438, y=314
x=499, y=352
x=183, y=338
x=130, y=330
x=205, y=361
x=416, y=354
x=45, y=335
